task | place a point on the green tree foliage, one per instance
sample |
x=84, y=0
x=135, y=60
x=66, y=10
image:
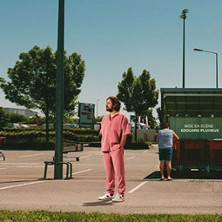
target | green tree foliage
x=138, y=93
x=3, y=118
x=33, y=81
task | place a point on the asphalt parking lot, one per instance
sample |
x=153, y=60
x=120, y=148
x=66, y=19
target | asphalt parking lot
x=22, y=185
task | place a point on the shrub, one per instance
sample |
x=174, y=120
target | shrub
x=16, y=118
x=35, y=138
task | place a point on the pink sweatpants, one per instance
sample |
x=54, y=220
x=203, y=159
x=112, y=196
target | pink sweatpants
x=114, y=164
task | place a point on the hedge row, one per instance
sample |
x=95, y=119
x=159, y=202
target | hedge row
x=36, y=139
x=74, y=130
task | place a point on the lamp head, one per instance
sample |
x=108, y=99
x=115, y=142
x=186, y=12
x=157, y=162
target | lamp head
x=184, y=12
x=198, y=50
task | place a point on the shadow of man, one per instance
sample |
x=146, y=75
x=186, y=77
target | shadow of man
x=98, y=203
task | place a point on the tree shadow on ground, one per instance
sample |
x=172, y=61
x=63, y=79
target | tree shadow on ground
x=187, y=174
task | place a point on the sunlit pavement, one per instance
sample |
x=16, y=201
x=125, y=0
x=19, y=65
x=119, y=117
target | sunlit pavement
x=22, y=185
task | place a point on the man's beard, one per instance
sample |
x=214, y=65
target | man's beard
x=109, y=109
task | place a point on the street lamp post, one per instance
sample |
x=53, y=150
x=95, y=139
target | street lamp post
x=184, y=16
x=58, y=174
x=97, y=107
x=215, y=53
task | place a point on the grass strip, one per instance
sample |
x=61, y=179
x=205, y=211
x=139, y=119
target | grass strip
x=49, y=216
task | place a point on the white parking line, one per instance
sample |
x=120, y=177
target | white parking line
x=36, y=182
x=137, y=187
x=82, y=157
x=30, y=166
x=146, y=151
x=83, y=171
x=37, y=154
x=21, y=185
x=132, y=157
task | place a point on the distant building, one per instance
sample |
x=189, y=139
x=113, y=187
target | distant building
x=25, y=112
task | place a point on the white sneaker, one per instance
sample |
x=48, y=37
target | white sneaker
x=118, y=198
x=106, y=196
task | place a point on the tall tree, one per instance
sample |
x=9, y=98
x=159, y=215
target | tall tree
x=137, y=93
x=33, y=81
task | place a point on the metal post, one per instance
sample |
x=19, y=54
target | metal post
x=58, y=170
x=97, y=107
x=184, y=52
x=216, y=70
x=215, y=53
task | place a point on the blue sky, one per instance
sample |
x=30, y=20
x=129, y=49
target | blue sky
x=114, y=35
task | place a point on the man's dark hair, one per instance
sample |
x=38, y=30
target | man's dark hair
x=166, y=125
x=115, y=101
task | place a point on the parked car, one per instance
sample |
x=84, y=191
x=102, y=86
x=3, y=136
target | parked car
x=65, y=125
x=71, y=125
x=17, y=125
x=139, y=126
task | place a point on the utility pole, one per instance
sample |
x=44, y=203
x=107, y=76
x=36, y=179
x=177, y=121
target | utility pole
x=183, y=16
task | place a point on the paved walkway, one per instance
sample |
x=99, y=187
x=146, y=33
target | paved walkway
x=22, y=186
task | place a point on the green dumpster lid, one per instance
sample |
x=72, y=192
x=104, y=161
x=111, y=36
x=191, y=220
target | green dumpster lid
x=201, y=102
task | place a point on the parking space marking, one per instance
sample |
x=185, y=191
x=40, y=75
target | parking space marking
x=137, y=187
x=146, y=151
x=30, y=166
x=21, y=185
x=132, y=157
x=2, y=168
x=82, y=171
x=36, y=182
x=37, y=154
x=82, y=157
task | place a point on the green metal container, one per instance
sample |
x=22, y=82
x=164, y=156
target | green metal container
x=196, y=116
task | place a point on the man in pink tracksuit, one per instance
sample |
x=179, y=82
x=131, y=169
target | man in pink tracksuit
x=114, y=131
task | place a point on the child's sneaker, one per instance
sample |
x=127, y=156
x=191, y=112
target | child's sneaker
x=106, y=196
x=118, y=198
